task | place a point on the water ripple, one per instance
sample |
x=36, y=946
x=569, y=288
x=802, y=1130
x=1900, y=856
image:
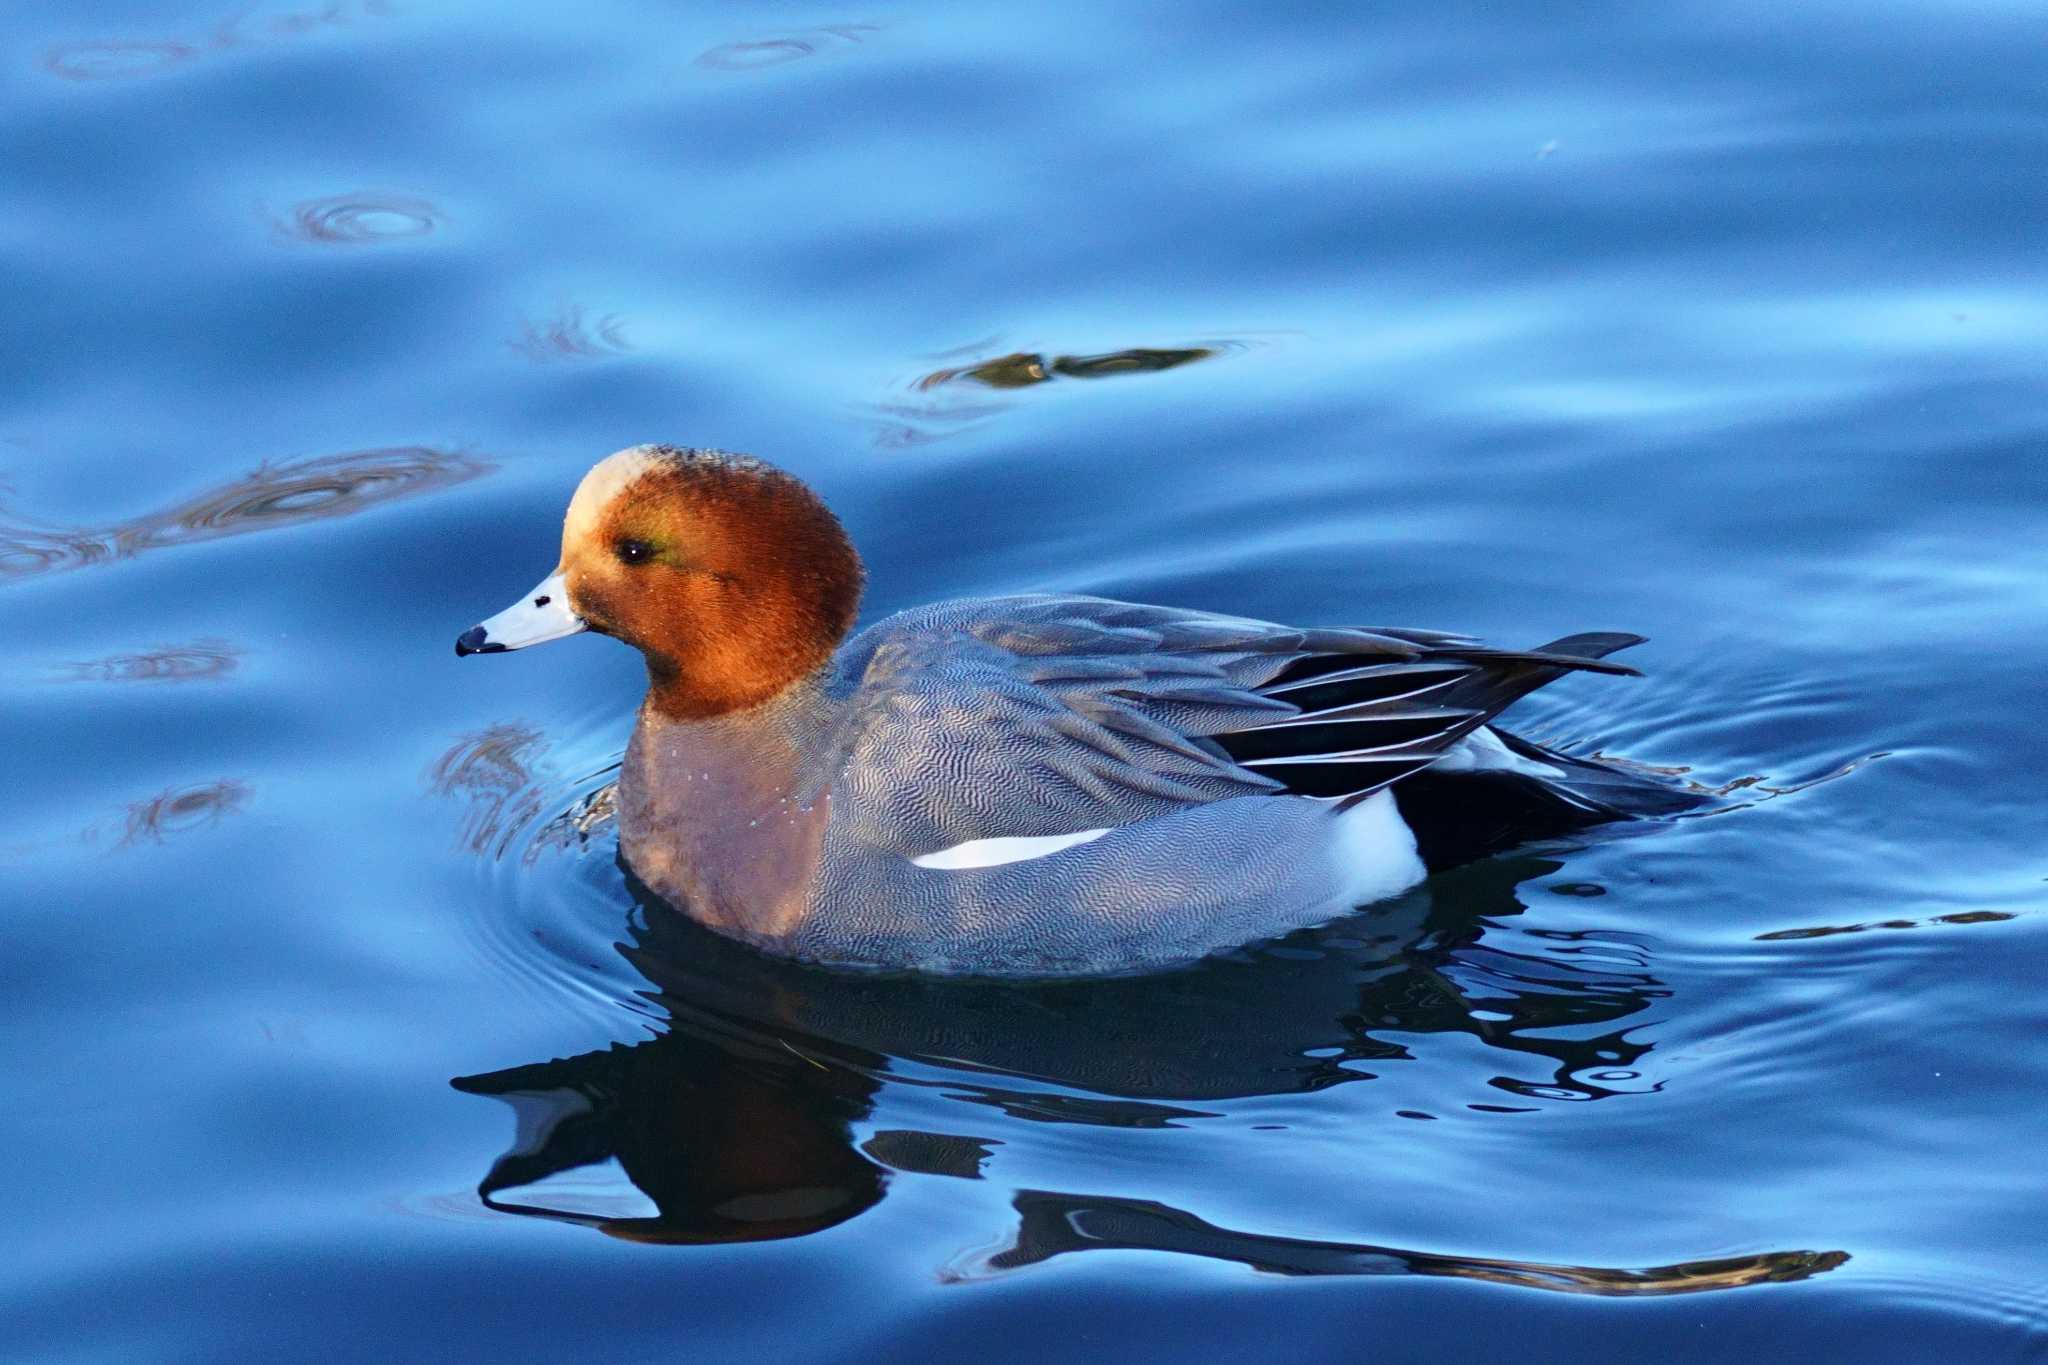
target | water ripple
x=539, y=827
x=179, y=809
x=359, y=219
x=202, y=660
x=129, y=58
x=120, y=59
x=758, y=54
x=271, y=497
x=570, y=335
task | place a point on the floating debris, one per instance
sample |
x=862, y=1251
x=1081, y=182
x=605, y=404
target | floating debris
x=1022, y=369
x=929, y=419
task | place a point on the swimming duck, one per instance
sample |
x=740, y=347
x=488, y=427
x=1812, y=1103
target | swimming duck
x=1022, y=786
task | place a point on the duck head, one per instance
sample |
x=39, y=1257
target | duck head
x=731, y=577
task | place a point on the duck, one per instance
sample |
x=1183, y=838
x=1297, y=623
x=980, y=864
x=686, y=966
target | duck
x=1043, y=785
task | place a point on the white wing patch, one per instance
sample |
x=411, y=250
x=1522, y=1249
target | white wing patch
x=996, y=852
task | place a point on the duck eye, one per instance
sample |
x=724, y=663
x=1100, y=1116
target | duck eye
x=634, y=551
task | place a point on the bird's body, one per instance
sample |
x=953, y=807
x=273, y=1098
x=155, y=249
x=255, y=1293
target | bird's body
x=1041, y=785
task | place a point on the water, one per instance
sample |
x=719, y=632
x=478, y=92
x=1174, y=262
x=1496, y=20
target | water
x=1719, y=324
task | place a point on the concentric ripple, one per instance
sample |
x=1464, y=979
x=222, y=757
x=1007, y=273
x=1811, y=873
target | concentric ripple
x=757, y=54
x=533, y=813
x=361, y=218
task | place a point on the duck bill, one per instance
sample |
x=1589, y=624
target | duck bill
x=540, y=616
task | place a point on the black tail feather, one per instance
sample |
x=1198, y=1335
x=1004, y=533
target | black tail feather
x=1358, y=726
x=1593, y=644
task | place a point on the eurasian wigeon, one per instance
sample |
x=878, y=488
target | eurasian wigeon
x=1023, y=786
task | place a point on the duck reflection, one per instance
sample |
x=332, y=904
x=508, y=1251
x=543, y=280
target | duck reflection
x=274, y=495
x=734, y=1140
x=743, y=1121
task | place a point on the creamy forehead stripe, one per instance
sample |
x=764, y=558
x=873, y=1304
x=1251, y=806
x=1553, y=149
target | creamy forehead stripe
x=607, y=479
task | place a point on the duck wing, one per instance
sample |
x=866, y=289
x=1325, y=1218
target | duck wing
x=1044, y=716
x=1358, y=727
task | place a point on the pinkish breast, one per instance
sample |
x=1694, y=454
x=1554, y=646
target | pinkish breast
x=711, y=820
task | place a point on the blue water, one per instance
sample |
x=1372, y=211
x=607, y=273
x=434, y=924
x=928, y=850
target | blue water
x=1723, y=324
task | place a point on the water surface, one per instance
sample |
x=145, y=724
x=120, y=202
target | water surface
x=330, y=1017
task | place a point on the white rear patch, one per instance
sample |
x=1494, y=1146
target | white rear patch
x=996, y=852
x=1482, y=751
x=1375, y=851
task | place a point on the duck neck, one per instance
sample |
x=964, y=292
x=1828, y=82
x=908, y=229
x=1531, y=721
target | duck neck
x=747, y=691
x=778, y=744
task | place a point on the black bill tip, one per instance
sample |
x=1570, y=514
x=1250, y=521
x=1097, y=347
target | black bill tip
x=472, y=641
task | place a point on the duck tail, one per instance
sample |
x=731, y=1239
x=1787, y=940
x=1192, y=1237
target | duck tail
x=1592, y=644
x=1534, y=793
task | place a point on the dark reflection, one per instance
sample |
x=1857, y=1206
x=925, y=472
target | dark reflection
x=273, y=496
x=741, y=1121
x=202, y=660
x=359, y=219
x=125, y=58
x=571, y=335
x=765, y=52
x=178, y=809
x=1051, y=1224
x=734, y=1140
